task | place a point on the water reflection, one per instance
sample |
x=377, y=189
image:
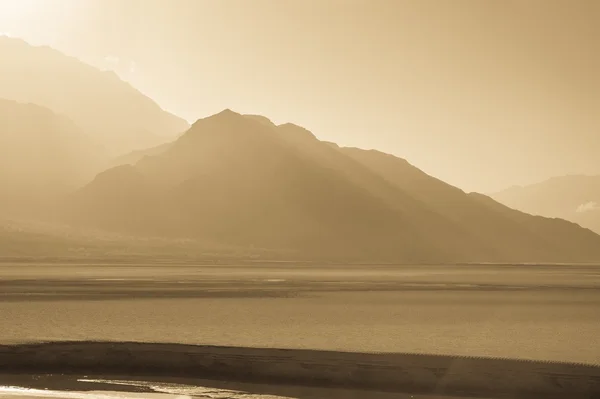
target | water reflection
x=73, y=387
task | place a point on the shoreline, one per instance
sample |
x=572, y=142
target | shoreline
x=394, y=372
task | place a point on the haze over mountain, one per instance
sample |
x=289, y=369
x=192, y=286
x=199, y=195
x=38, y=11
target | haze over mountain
x=472, y=92
x=43, y=156
x=574, y=197
x=238, y=182
x=244, y=181
x=110, y=110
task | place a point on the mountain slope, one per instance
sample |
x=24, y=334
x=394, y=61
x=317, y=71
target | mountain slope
x=133, y=157
x=42, y=156
x=25, y=238
x=242, y=180
x=441, y=234
x=234, y=180
x=575, y=198
x=110, y=110
x=501, y=229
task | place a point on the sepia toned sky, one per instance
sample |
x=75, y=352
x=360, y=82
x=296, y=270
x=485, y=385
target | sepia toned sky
x=483, y=94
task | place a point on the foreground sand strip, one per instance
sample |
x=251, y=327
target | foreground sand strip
x=416, y=373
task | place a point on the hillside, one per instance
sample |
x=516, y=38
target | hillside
x=235, y=180
x=244, y=181
x=32, y=239
x=114, y=113
x=574, y=197
x=43, y=156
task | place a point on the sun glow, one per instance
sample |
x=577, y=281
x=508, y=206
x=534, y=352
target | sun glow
x=36, y=21
x=17, y=10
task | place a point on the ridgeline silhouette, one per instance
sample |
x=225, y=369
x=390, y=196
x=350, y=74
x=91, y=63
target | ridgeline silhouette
x=243, y=181
x=86, y=151
x=110, y=110
x=574, y=197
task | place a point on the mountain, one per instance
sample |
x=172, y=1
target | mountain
x=574, y=197
x=43, y=155
x=22, y=238
x=113, y=112
x=244, y=181
x=133, y=157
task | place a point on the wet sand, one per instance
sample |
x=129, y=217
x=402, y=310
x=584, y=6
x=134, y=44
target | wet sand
x=119, y=387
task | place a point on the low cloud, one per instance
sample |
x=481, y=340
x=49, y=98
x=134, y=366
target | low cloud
x=588, y=206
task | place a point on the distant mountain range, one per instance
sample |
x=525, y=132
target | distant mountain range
x=234, y=183
x=111, y=111
x=575, y=198
x=43, y=156
x=242, y=180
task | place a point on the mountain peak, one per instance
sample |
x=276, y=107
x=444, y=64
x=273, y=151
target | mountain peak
x=220, y=116
x=234, y=180
x=228, y=113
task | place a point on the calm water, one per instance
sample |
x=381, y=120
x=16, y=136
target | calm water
x=550, y=313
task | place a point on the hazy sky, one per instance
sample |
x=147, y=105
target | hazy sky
x=482, y=94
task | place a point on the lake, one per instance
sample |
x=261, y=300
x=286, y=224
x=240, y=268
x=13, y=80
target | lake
x=532, y=312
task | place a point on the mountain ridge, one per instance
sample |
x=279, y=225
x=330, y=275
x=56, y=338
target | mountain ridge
x=238, y=180
x=574, y=197
x=108, y=108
